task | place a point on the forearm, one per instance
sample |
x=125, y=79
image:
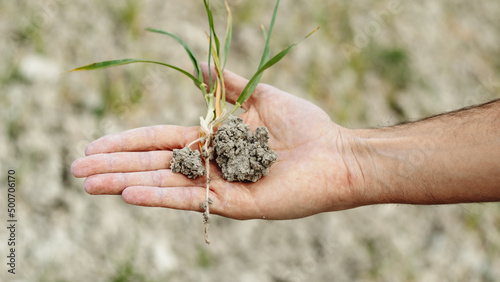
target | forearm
x=450, y=158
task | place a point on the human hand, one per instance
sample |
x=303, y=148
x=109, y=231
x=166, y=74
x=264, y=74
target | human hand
x=315, y=170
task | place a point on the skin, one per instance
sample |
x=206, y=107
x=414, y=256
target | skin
x=321, y=166
x=445, y=159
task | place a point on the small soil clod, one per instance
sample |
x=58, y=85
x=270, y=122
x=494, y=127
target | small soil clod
x=187, y=162
x=241, y=155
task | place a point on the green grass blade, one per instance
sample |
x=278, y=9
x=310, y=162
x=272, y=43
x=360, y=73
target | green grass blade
x=105, y=64
x=210, y=43
x=193, y=58
x=212, y=28
x=254, y=81
x=213, y=39
x=266, y=54
x=264, y=32
x=229, y=34
x=114, y=63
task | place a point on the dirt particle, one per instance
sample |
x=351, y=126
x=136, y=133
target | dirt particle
x=241, y=155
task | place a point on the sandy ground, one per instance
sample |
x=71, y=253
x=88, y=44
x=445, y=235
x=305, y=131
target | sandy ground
x=373, y=63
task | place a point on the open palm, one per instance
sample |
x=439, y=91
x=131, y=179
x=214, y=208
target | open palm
x=311, y=175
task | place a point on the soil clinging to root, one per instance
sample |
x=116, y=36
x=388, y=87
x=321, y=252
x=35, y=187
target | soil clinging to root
x=187, y=162
x=242, y=155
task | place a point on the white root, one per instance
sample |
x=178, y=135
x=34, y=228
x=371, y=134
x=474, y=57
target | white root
x=201, y=139
x=207, y=129
x=208, y=201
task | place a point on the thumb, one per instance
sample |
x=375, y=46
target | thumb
x=234, y=84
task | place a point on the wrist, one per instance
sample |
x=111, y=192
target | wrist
x=357, y=152
x=361, y=169
x=385, y=167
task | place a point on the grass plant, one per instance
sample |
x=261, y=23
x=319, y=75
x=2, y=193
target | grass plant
x=214, y=94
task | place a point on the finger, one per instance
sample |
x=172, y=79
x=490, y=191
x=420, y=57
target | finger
x=234, y=84
x=179, y=198
x=121, y=162
x=160, y=137
x=115, y=183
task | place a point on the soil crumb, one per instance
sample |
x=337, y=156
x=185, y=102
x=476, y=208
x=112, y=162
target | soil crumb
x=241, y=155
x=187, y=162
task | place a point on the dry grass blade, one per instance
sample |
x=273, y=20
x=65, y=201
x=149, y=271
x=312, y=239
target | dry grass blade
x=220, y=90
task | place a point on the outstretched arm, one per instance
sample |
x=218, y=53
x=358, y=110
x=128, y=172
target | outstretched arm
x=449, y=158
x=321, y=166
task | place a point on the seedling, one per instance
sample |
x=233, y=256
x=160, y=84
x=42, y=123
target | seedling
x=188, y=161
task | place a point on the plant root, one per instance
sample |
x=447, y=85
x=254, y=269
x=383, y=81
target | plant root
x=207, y=154
x=241, y=155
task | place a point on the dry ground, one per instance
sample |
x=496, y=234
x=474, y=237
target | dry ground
x=373, y=63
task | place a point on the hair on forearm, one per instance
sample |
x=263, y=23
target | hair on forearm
x=456, y=113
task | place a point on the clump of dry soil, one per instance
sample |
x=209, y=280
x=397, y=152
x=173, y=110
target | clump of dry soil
x=242, y=155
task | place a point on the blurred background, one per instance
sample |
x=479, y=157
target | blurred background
x=373, y=63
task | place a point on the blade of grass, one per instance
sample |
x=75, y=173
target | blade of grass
x=264, y=32
x=254, y=81
x=213, y=38
x=216, y=60
x=229, y=34
x=211, y=24
x=267, y=52
x=218, y=94
x=193, y=58
x=210, y=40
x=114, y=63
x=220, y=89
